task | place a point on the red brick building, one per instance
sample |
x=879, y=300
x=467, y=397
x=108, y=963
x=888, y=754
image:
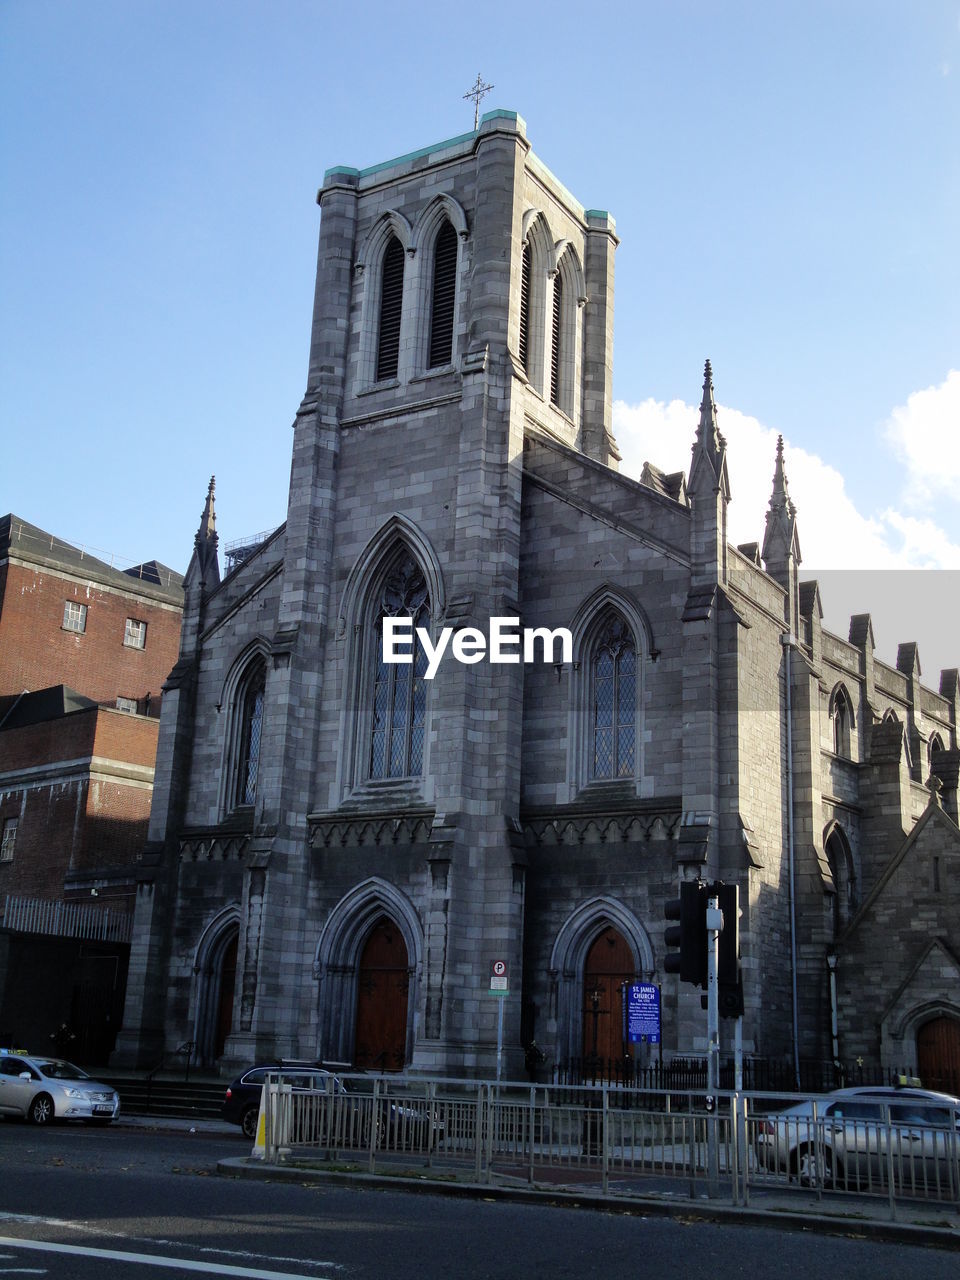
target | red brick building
x=84, y=652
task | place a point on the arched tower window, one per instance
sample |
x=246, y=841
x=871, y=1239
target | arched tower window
x=526, y=277
x=399, y=689
x=556, y=340
x=391, y=309
x=614, y=703
x=250, y=725
x=444, y=297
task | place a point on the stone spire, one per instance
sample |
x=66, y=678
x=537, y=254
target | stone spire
x=709, y=448
x=781, y=543
x=206, y=542
x=780, y=537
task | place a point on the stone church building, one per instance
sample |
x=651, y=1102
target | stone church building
x=340, y=848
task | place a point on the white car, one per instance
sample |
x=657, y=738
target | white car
x=43, y=1089
x=861, y=1134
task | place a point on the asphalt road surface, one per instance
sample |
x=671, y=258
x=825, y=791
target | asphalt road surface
x=85, y=1204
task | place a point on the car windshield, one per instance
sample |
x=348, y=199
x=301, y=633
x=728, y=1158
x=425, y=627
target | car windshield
x=55, y=1069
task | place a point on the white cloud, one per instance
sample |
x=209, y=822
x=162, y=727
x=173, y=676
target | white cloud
x=923, y=434
x=834, y=534
x=838, y=542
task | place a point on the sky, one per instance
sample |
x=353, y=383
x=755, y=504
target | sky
x=785, y=179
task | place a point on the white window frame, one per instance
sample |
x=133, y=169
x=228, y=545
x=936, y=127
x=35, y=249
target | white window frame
x=9, y=839
x=135, y=633
x=127, y=705
x=74, y=617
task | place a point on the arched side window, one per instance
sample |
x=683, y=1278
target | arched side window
x=934, y=747
x=840, y=860
x=611, y=633
x=391, y=310
x=444, y=297
x=842, y=721
x=399, y=689
x=250, y=728
x=614, y=700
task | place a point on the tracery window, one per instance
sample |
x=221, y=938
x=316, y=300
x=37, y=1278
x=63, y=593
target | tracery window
x=614, y=701
x=250, y=725
x=399, y=691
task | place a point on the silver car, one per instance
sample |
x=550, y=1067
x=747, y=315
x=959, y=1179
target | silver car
x=43, y=1089
x=861, y=1138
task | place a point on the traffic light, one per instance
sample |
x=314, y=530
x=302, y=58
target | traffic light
x=689, y=935
x=729, y=981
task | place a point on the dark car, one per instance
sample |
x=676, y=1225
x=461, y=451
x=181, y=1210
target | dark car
x=242, y=1102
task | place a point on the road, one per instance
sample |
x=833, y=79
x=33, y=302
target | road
x=83, y=1204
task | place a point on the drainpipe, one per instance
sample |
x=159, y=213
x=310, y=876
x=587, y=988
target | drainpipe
x=834, y=1021
x=788, y=642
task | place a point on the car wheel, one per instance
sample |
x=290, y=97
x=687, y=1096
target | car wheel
x=41, y=1109
x=248, y=1122
x=808, y=1168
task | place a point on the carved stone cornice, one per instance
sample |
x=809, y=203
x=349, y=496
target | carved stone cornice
x=578, y=825
x=213, y=846
x=356, y=830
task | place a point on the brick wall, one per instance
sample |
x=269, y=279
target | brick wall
x=36, y=652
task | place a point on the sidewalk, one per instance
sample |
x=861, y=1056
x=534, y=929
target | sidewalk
x=918, y=1223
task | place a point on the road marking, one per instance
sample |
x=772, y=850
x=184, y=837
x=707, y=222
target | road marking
x=149, y=1260
x=160, y=1243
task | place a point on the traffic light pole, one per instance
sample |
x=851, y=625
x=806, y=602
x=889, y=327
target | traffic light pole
x=714, y=925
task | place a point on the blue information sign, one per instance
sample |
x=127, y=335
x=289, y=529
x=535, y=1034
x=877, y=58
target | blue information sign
x=643, y=1013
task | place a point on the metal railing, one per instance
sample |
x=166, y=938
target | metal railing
x=630, y=1142
x=66, y=919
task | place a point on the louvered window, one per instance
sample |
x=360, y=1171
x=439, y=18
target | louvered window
x=399, y=690
x=526, y=273
x=391, y=304
x=444, y=296
x=555, y=349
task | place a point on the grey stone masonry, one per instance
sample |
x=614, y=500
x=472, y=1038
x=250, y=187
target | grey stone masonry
x=341, y=848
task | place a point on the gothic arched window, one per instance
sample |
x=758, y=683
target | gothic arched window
x=556, y=340
x=444, y=297
x=399, y=689
x=526, y=275
x=250, y=726
x=391, y=309
x=614, y=710
x=842, y=722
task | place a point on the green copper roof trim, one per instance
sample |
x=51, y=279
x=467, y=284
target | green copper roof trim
x=596, y=213
x=416, y=155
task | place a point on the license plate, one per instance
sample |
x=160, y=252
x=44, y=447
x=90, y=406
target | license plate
x=99, y=1111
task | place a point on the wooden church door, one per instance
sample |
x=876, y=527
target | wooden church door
x=938, y=1054
x=609, y=964
x=382, y=982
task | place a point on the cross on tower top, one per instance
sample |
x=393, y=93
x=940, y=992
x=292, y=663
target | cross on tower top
x=477, y=93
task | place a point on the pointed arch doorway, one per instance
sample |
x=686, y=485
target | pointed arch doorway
x=216, y=970
x=383, y=981
x=608, y=965
x=938, y=1054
